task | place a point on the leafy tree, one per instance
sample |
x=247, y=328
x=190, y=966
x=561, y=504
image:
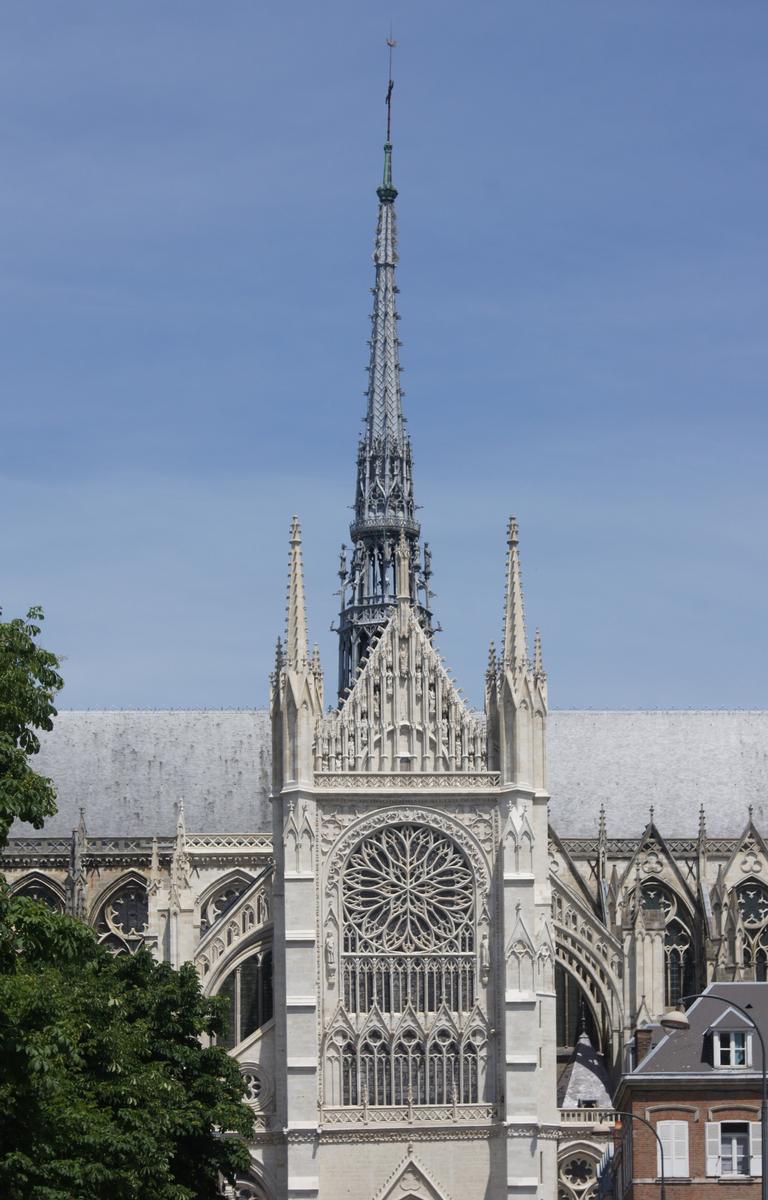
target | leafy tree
x=106, y=1090
x=29, y=680
x=109, y=1086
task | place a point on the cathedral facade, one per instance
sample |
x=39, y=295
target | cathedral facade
x=434, y=970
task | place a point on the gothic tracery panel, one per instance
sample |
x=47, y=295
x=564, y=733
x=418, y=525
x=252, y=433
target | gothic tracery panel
x=121, y=920
x=752, y=906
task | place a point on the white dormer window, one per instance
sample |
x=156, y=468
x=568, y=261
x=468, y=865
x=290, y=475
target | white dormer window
x=732, y=1048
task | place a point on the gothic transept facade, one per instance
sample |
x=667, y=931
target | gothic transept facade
x=414, y=943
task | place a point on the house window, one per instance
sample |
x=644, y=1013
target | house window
x=734, y=1148
x=731, y=1049
x=674, y=1139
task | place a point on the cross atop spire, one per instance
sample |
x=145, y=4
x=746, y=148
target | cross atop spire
x=296, y=647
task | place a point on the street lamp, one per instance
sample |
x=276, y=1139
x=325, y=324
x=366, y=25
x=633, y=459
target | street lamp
x=636, y=1117
x=675, y=1018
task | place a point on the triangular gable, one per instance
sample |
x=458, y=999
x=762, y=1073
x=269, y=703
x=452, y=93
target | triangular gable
x=411, y=1181
x=750, y=858
x=403, y=713
x=653, y=862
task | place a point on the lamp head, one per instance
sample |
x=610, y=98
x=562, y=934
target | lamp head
x=675, y=1018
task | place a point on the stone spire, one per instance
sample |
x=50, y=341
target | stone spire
x=515, y=647
x=384, y=506
x=296, y=646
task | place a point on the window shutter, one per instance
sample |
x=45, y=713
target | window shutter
x=713, y=1147
x=680, y=1149
x=665, y=1132
x=755, y=1149
x=674, y=1139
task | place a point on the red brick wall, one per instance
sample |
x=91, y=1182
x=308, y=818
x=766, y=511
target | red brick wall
x=644, y=1145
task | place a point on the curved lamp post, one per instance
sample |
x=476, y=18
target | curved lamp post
x=676, y=1019
x=635, y=1117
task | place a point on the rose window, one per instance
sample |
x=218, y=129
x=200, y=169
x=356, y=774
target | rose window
x=408, y=905
x=408, y=889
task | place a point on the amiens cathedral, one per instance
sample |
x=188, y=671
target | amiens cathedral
x=437, y=929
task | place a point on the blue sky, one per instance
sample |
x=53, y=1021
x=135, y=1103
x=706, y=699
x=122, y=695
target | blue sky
x=186, y=226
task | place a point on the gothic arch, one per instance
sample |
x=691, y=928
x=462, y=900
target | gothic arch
x=585, y=948
x=577, y=1163
x=231, y=880
x=37, y=886
x=121, y=912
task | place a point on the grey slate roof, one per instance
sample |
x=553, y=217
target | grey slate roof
x=683, y=1052
x=585, y=1080
x=129, y=770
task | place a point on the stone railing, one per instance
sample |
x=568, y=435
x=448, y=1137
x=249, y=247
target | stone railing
x=573, y=1120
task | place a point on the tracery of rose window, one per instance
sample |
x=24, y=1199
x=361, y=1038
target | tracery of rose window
x=752, y=903
x=409, y=923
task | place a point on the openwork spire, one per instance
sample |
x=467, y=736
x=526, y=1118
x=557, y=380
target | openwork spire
x=296, y=647
x=384, y=506
x=515, y=650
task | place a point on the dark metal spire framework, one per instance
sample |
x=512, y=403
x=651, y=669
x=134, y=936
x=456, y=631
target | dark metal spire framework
x=384, y=506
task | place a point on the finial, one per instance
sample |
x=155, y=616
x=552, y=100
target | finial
x=279, y=656
x=602, y=828
x=512, y=532
x=180, y=825
x=702, y=823
x=650, y=815
x=751, y=811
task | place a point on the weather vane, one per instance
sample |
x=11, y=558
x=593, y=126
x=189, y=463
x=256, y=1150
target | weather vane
x=391, y=43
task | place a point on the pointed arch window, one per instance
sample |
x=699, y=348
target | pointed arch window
x=34, y=887
x=679, y=958
x=121, y=919
x=752, y=905
x=443, y=1067
x=408, y=1069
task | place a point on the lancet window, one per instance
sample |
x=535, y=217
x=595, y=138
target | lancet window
x=752, y=904
x=248, y=988
x=679, y=961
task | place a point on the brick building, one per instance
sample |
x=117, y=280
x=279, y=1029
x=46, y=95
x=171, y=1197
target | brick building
x=701, y=1090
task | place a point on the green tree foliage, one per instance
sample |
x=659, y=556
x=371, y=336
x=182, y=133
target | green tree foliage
x=110, y=1088
x=29, y=680
x=106, y=1090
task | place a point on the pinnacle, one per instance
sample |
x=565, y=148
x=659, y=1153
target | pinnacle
x=515, y=650
x=296, y=614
